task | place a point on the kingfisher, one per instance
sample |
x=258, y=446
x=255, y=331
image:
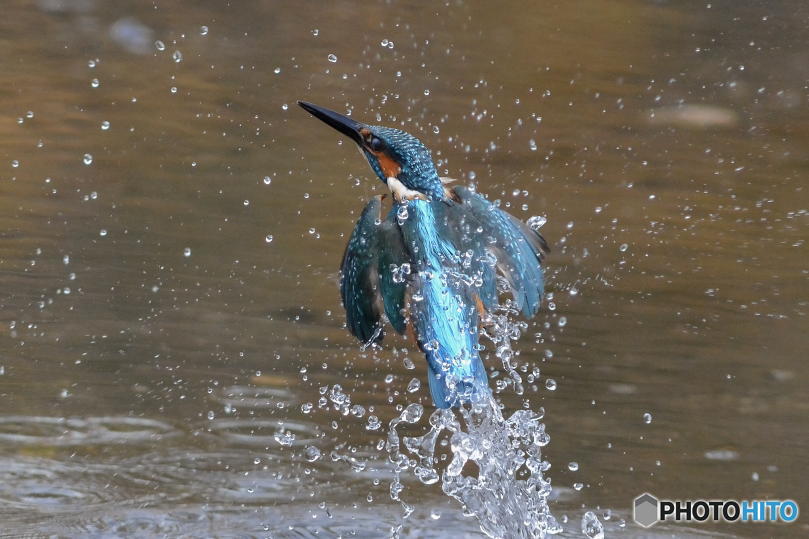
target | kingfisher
x=431, y=264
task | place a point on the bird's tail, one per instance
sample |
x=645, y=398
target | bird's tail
x=455, y=381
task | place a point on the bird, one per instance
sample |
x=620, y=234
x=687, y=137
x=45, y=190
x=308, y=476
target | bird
x=432, y=263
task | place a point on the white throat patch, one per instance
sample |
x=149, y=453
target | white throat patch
x=402, y=193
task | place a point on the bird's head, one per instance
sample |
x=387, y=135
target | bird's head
x=392, y=153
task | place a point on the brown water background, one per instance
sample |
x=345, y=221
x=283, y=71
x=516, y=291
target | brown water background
x=166, y=310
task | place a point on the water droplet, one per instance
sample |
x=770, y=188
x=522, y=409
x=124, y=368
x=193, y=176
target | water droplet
x=562, y=321
x=358, y=410
x=91, y=64
x=177, y=56
x=722, y=454
x=211, y=415
x=246, y=202
x=203, y=30
x=591, y=527
x=332, y=58
x=426, y=91
x=550, y=384
x=15, y=163
x=285, y=438
x=312, y=453
x=532, y=145
x=159, y=45
x=623, y=247
x=413, y=413
x=573, y=466
x=105, y=125
x=277, y=70
x=373, y=423
x=267, y=180
x=578, y=486
x=187, y=252
x=95, y=83
x=88, y=159
x=268, y=238
x=29, y=114
x=102, y=232
x=537, y=221
x=647, y=418
x=315, y=32
x=414, y=385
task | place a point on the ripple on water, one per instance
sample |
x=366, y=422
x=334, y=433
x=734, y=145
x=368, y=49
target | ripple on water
x=263, y=432
x=60, y=431
x=254, y=397
x=132, y=522
x=37, y=486
x=303, y=520
x=163, y=492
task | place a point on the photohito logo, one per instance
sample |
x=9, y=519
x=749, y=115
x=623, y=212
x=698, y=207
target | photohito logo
x=647, y=510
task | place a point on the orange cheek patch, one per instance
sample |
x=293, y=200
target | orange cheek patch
x=390, y=167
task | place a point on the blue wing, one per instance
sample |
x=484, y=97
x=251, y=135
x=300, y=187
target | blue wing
x=491, y=240
x=367, y=284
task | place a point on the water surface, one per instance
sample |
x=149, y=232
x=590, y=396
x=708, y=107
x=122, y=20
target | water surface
x=172, y=225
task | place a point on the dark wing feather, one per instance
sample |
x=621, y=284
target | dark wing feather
x=496, y=238
x=392, y=259
x=366, y=284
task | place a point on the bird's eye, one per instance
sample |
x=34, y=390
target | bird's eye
x=376, y=144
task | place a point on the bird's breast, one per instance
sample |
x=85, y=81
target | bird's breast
x=422, y=234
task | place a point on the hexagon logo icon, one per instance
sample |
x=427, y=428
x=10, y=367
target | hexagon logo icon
x=644, y=510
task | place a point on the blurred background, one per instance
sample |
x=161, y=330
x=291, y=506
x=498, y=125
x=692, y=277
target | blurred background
x=171, y=225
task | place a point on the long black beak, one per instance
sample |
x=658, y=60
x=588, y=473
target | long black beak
x=343, y=124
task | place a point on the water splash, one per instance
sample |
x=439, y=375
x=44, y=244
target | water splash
x=492, y=465
x=495, y=465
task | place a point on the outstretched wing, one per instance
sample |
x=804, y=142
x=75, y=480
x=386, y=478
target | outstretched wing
x=491, y=239
x=368, y=284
